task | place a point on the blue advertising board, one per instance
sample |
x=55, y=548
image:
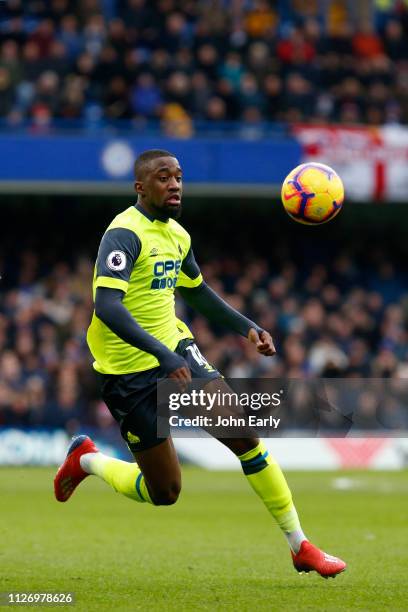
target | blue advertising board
x=100, y=158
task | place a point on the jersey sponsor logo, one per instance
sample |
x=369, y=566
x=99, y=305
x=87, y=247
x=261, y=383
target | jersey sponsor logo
x=165, y=274
x=163, y=283
x=116, y=261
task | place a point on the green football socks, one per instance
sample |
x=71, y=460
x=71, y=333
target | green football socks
x=124, y=477
x=268, y=482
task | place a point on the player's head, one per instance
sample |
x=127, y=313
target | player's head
x=159, y=183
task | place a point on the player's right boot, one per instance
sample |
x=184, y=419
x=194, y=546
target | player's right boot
x=310, y=558
x=70, y=474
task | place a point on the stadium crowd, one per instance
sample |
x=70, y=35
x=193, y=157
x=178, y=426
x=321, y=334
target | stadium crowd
x=179, y=62
x=344, y=321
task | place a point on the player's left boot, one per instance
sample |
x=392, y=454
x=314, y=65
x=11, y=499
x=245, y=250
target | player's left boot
x=310, y=558
x=70, y=474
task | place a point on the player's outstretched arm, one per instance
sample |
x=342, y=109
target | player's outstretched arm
x=208, y=303
x=110, y=310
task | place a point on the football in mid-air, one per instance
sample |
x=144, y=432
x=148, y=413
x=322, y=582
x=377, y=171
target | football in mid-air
x=312, y=193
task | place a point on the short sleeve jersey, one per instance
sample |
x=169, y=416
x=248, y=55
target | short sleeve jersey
x=146, y=259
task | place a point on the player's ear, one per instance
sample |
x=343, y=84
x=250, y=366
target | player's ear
x=139, y=187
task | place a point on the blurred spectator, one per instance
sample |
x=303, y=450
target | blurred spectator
x=10, y=60
x=295, y=48
x=176, y=122
x=216, y=110
x=145, y=97
x=232, y=69
x=200, y=93
x=366, y=42
x=249, y=94
x=395, y=42
x=260, y=19
x=298, y=98
x=70, y=36
x=178, y=89
x=43, y=37
x=116, y=99
x=6, y=91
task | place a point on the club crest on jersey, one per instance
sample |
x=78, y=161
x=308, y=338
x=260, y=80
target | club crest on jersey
x=116, y=261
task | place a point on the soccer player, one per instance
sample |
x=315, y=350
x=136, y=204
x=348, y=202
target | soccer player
x=135, y=339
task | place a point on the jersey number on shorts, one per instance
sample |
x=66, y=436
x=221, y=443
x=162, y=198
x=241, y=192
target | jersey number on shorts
x=195, y=352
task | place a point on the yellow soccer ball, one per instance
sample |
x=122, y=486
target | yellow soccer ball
x=312, y=193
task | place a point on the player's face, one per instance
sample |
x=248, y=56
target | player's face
x=161, y=188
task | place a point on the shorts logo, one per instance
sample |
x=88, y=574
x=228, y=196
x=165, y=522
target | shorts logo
x=116, y=261
x=132, y=438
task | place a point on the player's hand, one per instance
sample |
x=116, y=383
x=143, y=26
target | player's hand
x=182, y=376
x=176, y=368
x=263, y=342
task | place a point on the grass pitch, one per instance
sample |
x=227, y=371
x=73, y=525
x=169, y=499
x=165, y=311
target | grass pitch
x=216, y=549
